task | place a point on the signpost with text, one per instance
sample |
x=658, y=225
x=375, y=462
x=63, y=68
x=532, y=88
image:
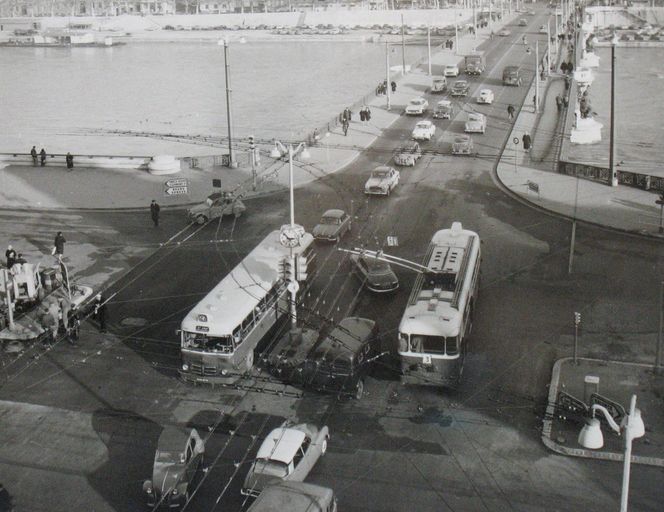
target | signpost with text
x=176, y=187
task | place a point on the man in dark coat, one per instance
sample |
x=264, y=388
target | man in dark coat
x=527, y=142
x=33, y=154
x=393, y=84
x=510, y=111
x=42, y=155
x=154, y=212
x=59, y=244
x=10, y=254
x=70, y=161
x=99, y=312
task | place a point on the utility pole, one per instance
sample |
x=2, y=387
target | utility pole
x=429, y=46
x=229, y=118
x=613, y=175
x=403, y=50
x=537, y=76
x=387, y=74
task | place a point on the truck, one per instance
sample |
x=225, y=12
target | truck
x=475, y=63
x=294, y=497
x=512, y=76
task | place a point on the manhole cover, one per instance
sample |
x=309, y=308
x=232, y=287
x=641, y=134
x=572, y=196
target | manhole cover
x=134, y=322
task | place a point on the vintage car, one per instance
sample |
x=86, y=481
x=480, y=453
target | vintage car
x=294, y=497
x=451, y=70
x=485, y=96
x=424, y=130
x=543, y=29
x=460, y=88
x=383, y=181
x=332, y=226
x=408, y=154
x=216, y=205
x=476, y=123
x=376, y=274
x=341, y=362
x=417, y=107
x=439, y=84
x=177, y=462
x=523, y=22
x=504, y=33
x=287, y=455
x=444, y=110
x=462, y=145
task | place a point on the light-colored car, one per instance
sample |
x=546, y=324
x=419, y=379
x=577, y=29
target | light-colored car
x=177, y=461
x=287, y=455
x=460, y=88
x=523, y=22
x=382, y=182
x=439, y=84
x=294, y=497
x=476, y=123
x=417, y=107
x=332, y=226
x=408, y=154
x=444, y=110
x=504, y=33
x=485, y=96
x=216, y=205
x=451, y=70
x=542, y=29
x=424, y=130
x=462, y=145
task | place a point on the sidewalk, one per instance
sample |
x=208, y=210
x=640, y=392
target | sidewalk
x=618, y=381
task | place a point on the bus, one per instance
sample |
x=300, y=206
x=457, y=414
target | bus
x=438, y=317
x=219, y=335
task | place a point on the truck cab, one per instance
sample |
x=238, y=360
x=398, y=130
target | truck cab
x=475, y=63
x=512, y=76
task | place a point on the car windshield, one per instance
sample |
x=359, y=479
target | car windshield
x=378, y=267
x=422, y=125
x=380, y=174
x=271, y=467
x=417, y=102
x=330, y=220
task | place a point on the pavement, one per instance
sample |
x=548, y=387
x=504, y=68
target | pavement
x=529, y=177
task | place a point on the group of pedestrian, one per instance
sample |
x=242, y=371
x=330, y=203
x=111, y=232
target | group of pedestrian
x=510, y=111
x=381, y=88
x=449, y=44
x=365, y=114
x=561, y=102
x=41, y=158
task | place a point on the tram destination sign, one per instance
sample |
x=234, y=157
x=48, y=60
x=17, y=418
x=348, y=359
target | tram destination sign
x=176, y=187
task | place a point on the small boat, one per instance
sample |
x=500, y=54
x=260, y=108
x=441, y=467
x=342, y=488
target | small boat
x=58, y=39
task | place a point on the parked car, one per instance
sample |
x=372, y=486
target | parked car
x=417, y=107
x=460, y=88
x=424, y=130
x=377, y=274
x=332, y=226
x=382, y=181
x=504, y=33
x=294, y=497
x=287, y=455
x=216, y=205
x=523, y=22
x=444, y=110
x=462, y=145
x=485, y=96
x=439, y=84
x=408, y=154
x=177, y=462
x=476, y=123
x=451, y=70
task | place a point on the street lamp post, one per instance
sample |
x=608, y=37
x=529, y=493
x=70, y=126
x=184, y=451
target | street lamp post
x=387, y=74
x=632, y=427
x=613, y=175
x=229, y=117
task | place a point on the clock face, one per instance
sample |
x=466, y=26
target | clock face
x=289, y=238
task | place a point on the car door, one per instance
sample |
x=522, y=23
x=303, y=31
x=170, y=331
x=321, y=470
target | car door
x=309, y=458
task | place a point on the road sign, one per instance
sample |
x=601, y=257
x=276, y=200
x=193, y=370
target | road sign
x=176, y=191
x=533, y=186
x=176, y=182
x=392, y=241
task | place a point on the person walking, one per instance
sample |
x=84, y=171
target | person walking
x=70, y=161
x=42, y=156
x=535, y=103
x=510, y=111
x=393, y=84
x=33, y=154
x=10, y=255
x=559, y=102
x=154, y=213
x=362, y=116
x=59, y=245
x=527, y=142
x=99, y=312
x=344, y=126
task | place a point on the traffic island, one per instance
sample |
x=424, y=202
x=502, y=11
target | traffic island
x=575, y=387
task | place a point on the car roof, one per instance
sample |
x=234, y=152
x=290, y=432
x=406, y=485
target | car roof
x=382, y=168
x=345, y=339
x=444, y=103
x=418, y=99
x=334, y=212
x=287, y=496
x=408, y=146
x=173, y=438
x=424, y=121
x=461, y=82
x=462, y=137
x=485, y=90
x=281, y=445
x=475, y=115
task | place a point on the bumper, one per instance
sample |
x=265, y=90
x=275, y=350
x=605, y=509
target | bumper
x=414, y=112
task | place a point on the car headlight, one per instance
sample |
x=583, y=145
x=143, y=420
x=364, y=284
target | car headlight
x=185, y=367
x=224, y=372
x=175, y=491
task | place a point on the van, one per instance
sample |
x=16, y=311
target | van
x=294, y=497
x=512, y=76
x=439, y=84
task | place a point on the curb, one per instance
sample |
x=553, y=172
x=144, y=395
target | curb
x=547, y=424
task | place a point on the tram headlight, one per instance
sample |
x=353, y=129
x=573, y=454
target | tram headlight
x=185, y=367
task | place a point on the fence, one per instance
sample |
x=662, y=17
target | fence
x=96, y=161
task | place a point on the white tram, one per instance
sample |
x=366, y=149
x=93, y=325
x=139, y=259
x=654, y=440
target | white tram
x=219, y=335
x=438, y=317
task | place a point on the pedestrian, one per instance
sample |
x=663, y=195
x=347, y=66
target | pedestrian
x=74, y=325
x=393, y=84
x=565, y=102
x=348, y=114
x=567, y=83
x=99, y=312
x=527, y=142
x=154, y=213
x=42, y=155
x=535, y=103
x=570, y=68
x=344, y=126
x=367, y=113
x=559, y=102
x=59, y=245
x=315, y=137
x=510, y=111
x=10, y=255
x=33, y=154
x=563, y=67
x=362, y=116
x=70, y=161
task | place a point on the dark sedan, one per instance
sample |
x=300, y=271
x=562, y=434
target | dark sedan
x=332, y=226
x=376, y=274
x=460, y=88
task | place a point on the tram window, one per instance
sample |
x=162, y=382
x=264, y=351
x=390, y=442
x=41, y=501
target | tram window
x=452, y=346
x=433, y=344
